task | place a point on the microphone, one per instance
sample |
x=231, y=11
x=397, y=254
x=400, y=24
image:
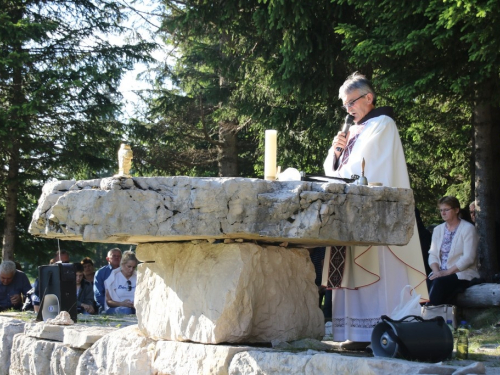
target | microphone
x=349, y=120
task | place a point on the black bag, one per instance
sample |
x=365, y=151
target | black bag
x=413, y=338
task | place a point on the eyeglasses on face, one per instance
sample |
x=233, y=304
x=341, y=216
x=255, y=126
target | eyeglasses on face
x=351, y=103
x=129, y=285
x=444, y=209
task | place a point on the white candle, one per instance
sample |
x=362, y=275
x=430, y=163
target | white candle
x=270, y=155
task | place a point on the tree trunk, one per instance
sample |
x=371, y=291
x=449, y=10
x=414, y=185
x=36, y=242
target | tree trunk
x=9, y=235
x=486, y=136
x=228, y=130
x=482, y=296
x=17, y=126
x=228, y=151
x=472, y=163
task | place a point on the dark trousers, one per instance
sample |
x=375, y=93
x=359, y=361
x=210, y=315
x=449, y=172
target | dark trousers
x=327, y=308
x=443, y=289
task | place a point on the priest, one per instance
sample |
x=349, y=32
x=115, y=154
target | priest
x=366, y=282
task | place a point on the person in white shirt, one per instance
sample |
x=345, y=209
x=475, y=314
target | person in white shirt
x=120, y=286
x=453, y=254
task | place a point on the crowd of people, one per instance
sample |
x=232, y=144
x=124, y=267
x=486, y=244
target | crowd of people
x=110, y=290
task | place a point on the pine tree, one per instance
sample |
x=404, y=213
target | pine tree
x=58, y=97
x=440, y=60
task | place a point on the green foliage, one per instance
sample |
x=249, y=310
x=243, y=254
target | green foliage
x=58, y=100
x=425, y=58
x=247, y=67
x=241, y=67
x=437, y=142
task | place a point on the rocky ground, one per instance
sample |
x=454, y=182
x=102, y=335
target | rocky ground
x=484, y=357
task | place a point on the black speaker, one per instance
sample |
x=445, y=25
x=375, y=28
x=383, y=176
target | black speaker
x=413, y=338
x=60, y=280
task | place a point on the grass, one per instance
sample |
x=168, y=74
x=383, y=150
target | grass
x=484, y=337
x=484, y=332
x=117, y=321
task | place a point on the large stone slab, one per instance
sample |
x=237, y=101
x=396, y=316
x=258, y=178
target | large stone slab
x=77, y=336
x=173, y=357
x=64, y=360
x=83, y=337
x=315, y=363
x=35, y=356
x=159, y=209
x=31, y=355
x=8, y=329
x=237, y=293
x=125, y=351
x=42, y=330
x=479, y=296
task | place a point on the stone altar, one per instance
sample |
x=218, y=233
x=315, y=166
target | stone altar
x=165, y=209
x=250, y=290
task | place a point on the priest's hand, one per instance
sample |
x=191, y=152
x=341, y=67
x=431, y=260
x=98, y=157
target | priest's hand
x=339, y=141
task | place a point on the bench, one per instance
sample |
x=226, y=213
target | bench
x=479, y=296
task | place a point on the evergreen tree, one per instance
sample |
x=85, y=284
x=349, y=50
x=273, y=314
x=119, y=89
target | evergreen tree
x=243, y=67
x=442, y=57
x=58, y=98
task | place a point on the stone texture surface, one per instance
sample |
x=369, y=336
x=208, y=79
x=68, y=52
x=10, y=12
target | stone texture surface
x=8, y=328
x=237, y=293
x=173, y=357
x=64, y=360
x=77, y=336
x=46, y=331
x=159, y=209
x=261, y=363
x=83, y=337
x=474, y=368
x=30, y=355
x=125, y=351
x=315, y=363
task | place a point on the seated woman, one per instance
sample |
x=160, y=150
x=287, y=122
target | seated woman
x=84, y=292
x=452, y=256
x=120, y=286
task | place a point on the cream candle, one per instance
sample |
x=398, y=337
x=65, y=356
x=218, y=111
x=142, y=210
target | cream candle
x=270, y=155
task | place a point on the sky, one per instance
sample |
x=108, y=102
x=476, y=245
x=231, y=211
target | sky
x=144, y=25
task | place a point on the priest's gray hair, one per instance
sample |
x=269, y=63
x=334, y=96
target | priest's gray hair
x=7, y=267
x=357, y=81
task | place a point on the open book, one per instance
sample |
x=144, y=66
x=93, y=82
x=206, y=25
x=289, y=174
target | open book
x=319, y=178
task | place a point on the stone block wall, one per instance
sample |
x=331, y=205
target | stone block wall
x=126, y=351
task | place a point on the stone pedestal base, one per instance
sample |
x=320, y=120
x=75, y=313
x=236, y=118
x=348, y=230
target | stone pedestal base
x=235, y=293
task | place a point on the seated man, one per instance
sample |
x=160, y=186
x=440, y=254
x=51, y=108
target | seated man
x=114, y=258
x=14, y=285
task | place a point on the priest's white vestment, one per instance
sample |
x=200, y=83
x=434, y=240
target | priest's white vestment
x=371, y=278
